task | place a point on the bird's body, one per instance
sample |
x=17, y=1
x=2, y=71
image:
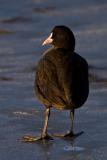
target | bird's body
x=61, y=77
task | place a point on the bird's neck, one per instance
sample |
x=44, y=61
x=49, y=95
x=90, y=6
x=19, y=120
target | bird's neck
x=65, y=50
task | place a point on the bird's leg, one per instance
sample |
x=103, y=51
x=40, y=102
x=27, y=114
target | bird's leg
x=70, y=133
x=44, y=134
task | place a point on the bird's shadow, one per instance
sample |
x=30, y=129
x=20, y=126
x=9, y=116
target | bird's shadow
x=76, y=135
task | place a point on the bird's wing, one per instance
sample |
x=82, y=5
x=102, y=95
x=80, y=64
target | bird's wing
x=65, y=80
x=47, y=84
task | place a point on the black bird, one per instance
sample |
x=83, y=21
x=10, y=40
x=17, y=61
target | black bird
x=61, y=78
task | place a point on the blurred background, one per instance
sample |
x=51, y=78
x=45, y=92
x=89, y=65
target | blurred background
x=24, y=24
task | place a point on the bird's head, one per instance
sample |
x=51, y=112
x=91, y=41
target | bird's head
x=61, y=37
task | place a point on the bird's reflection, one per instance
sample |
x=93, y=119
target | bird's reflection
x=45, y=146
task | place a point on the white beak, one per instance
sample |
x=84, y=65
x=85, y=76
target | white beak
x=49, y=40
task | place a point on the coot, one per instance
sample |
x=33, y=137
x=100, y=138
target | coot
x=61, y=78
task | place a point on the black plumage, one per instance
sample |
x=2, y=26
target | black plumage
x=61, y=76
x=62, y=79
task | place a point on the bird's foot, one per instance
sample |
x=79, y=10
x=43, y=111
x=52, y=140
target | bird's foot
x=69, y=134
x=31, y=139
